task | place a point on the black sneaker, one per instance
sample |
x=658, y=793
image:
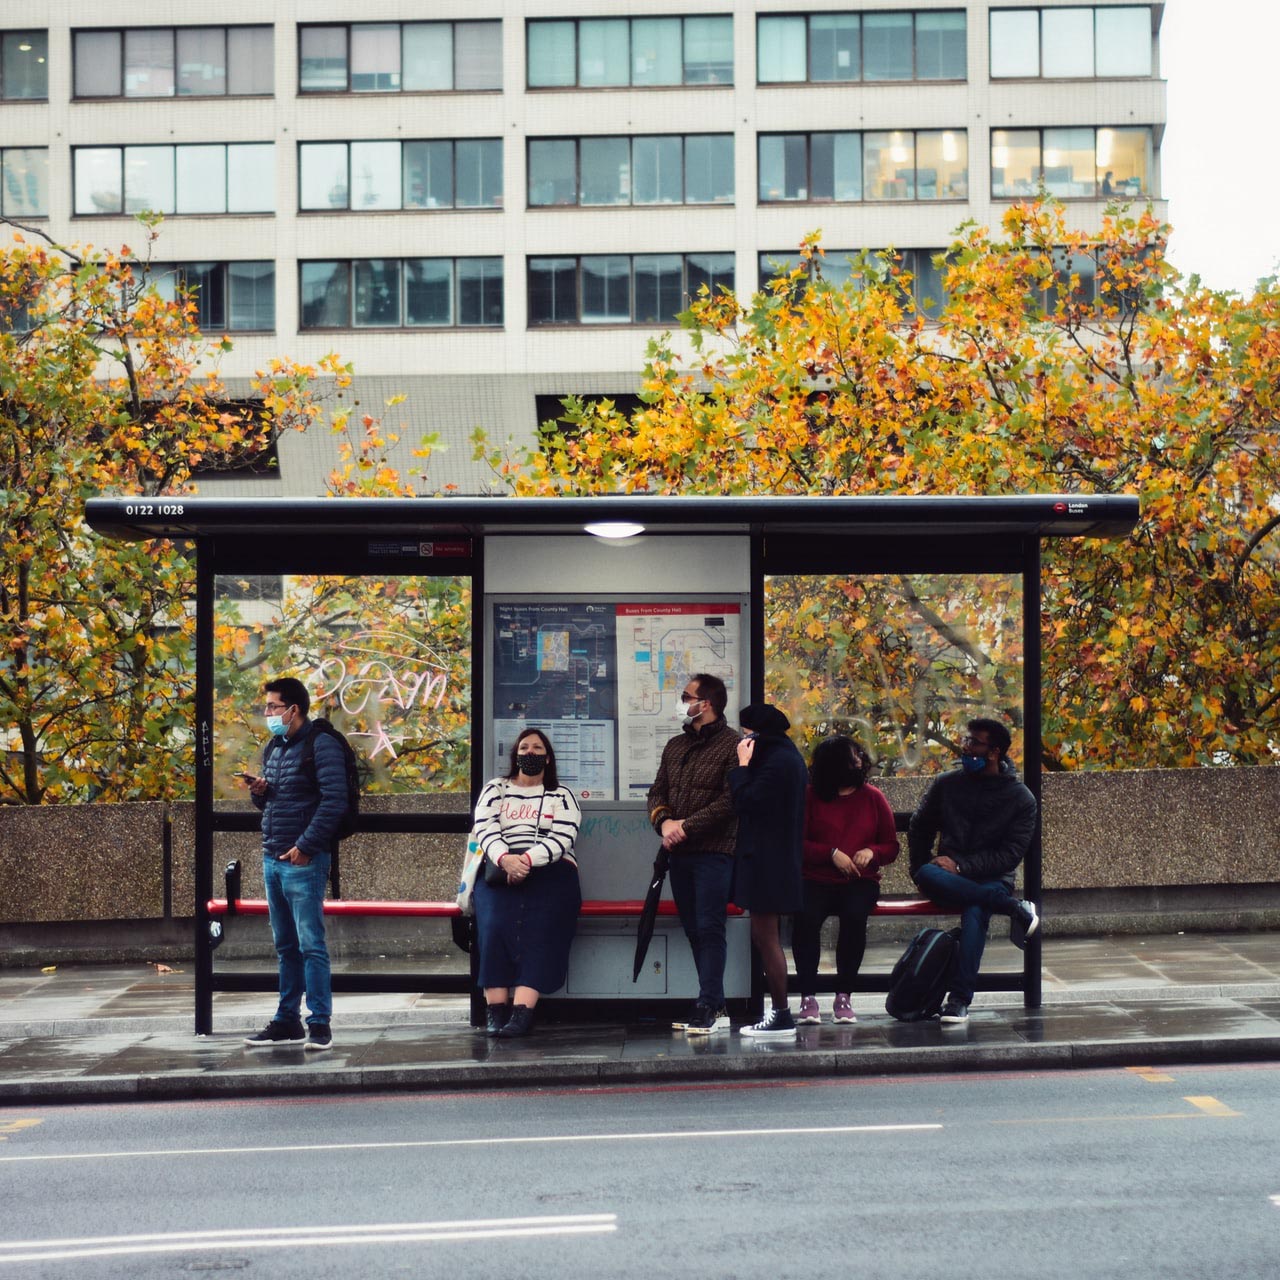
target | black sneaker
x=495, y=1017
x=954, y=1014
x=319, y=1037
x=706, y=1021
x=1023, y=923
x=777, y=1024
x=276, y=1032
x=519, y=1024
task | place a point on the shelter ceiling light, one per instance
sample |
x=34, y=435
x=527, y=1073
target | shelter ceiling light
x=614, y=529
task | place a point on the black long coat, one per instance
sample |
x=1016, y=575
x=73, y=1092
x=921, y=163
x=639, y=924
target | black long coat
x=768, y=797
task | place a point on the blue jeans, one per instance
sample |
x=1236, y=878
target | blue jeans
x=978, y=901
x=295, y=897
x=700, y=884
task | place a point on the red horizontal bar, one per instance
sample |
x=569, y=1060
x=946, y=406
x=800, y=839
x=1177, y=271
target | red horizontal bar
x=593, y=907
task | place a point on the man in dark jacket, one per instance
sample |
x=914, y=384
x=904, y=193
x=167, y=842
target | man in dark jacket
x=302, y=793
x=690, y=809
x=986, y=819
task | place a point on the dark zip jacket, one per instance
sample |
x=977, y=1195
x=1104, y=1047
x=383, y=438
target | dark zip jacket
x=692, y=784
x=298, y=810
x=985, y=824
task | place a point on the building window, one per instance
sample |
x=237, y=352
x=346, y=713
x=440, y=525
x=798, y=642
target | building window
x=438, y=174
x=900, y=164
x=644, y=288
x=24, y=182
x=236, y=177
x=174, y=62
x=229, y=297
x=658, y=169
x=839, y=268
x=24, y=66
x=824, y=48
x=603, y=53
x=400, y=57
x=1071, y=44
x=395, y=293
x=1075, y=163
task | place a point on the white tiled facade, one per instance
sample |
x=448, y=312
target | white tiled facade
x=460, y=378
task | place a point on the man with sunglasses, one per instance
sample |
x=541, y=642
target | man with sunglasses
x=983, y=819
x=691, y=809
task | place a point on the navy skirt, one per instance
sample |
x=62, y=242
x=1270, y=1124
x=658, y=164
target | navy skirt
x=525, y=930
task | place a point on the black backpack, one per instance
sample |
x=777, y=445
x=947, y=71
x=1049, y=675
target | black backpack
x=919, y=981
x=351, y=764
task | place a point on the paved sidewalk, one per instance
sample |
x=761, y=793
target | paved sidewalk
x=98, y=1033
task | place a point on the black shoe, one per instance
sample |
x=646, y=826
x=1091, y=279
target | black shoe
x=954, y=1014
x=706, y=1021
x=519, y=1024
x=1023, y=923
x=777, y=1024
x=277, y=1032
x=495, y=1017
x=319, y=1038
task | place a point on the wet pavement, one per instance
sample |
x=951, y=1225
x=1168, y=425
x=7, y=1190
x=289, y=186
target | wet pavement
x=86, y=1033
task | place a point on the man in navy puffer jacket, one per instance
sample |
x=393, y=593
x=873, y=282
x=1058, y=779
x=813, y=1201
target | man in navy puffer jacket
x=301, y=808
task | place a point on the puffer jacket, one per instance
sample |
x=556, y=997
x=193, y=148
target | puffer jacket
x=693, y=784
x=296, y=810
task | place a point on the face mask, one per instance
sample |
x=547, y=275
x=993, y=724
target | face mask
x=688, y=710
x=276, y=726
x=973, y=764
x=531, y=765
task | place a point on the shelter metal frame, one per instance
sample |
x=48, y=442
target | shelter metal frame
x=788, y=535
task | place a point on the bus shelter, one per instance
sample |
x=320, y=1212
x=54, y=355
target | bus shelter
x=433, y=629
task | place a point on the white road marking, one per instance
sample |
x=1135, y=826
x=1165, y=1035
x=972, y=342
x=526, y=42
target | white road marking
x=300, y=1237
x=676, y=1136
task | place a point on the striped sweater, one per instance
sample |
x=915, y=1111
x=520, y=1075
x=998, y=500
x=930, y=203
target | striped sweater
x=533, y=821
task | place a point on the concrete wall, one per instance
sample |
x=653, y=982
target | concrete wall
x=1143, y=849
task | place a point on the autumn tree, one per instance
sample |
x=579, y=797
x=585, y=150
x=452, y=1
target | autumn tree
x=107, y=387
x=1055, y=362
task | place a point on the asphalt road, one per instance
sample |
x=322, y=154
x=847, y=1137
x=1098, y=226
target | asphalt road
x=1160, y=1173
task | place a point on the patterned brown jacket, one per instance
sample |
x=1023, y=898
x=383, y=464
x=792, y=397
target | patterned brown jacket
x=692, y=784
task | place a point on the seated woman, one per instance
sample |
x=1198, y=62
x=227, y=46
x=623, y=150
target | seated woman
x=848, y=836
x=527, y=898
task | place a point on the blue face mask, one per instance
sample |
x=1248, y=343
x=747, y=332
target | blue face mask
x=973, y=764
x=276, y=726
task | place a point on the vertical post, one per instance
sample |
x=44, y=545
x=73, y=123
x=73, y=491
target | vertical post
x=478, y=741
x=1032, y=867
x=755, y=682
x=204, y=553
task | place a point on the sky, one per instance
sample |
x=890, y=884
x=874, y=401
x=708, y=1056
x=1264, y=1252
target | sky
x=1220, y=159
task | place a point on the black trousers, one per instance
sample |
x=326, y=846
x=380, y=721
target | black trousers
x=851, y=903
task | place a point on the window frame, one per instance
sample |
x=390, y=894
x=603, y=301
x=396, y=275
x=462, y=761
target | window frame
x=862, y=78
x=1039, y=74
x=224, y=267
x=576, y=141
x=495, y=206
x=345, y=27
x=18, y=33
x=1040, y=130
x=4, y=186
x=456, y=281
x=912, y=257
x=121, y=147
x=576, y=84
x=175, y=96
x=579, y=288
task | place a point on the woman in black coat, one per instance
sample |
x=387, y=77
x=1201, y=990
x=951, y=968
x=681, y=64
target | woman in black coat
x=768, y=790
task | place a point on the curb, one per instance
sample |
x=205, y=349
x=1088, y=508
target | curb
x=767, y=1063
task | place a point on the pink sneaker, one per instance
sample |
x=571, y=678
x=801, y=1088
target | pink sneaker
x=842, y=1011
x=808, y=1010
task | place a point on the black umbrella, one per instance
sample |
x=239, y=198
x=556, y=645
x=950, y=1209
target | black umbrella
x=649, y=912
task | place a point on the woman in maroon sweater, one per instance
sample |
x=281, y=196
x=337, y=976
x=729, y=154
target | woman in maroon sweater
x=849, y=835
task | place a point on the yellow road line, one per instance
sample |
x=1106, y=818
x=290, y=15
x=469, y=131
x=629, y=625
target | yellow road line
x=1211, y=1106
x=16, y=1126
x=1150, y=1075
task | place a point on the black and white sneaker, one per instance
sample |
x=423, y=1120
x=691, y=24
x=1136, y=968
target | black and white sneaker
x=706, y=1021
x=277, y=1032
x=319, y=1038
x=777, y=1024
x=954, y=1014
x=1023, y=923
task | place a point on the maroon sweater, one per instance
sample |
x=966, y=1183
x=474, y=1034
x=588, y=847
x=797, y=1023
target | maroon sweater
x=860, y=820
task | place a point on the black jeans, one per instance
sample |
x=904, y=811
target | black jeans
x=851, y=902
x=700, y=885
